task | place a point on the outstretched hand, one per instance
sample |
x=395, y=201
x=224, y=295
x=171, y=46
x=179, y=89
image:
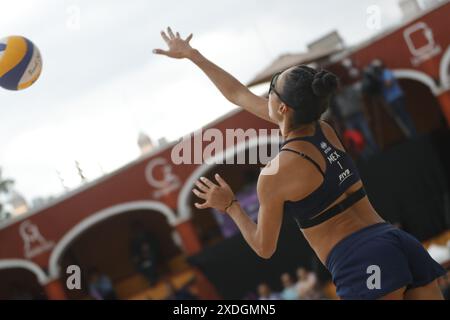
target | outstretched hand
x=178, y=48
x=215, y=196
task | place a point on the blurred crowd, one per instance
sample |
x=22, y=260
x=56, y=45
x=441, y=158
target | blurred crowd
x=304, y=286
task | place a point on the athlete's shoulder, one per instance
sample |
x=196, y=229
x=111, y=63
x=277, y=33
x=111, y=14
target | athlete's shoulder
x=331, y=134
x=326, y=125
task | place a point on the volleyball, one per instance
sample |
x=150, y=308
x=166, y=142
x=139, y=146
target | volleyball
x=20, y=63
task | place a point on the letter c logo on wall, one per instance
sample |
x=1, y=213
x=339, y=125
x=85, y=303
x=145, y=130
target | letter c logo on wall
x=159, y=175
x=420, y=40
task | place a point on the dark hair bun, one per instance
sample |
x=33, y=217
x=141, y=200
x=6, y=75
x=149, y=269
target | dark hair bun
x=324, y=83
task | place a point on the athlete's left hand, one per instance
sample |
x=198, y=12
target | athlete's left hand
x=216, y=196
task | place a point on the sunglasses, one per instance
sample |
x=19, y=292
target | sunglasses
x=273, y=83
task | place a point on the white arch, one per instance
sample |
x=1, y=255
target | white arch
x=28, y=265
x=184, y=209
x=66, y=240
x=444, y=70
x=418, y=76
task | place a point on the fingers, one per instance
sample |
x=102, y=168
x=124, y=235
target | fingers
x=201, y=186
x=203, y=205
x=172, y=36
x=199, y=194
x=221, y=182
x=160, y=51
x=169, y=31
x=165, y=37
x=208, y=182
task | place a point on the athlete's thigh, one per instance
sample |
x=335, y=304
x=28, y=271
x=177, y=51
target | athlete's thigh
x=394, y=295
x=430, y=291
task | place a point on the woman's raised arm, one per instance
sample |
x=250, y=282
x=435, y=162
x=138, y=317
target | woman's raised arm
x=233, y=90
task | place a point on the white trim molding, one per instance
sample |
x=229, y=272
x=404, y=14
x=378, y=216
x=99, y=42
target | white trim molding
x=418, y=76
x=72, y=234
x=42, y=278
x=444, y=70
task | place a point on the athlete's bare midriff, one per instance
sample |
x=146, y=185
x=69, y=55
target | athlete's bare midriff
x=323, y=237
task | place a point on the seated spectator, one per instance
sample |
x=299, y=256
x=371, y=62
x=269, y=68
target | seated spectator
x=265, y=293
x=19, y=292
x=444, y=284
x=144, y=251
x=307, y=285
x=145, y=262
x=290, y=290
x=250, y=296
x=100, y=286
x=182, y=293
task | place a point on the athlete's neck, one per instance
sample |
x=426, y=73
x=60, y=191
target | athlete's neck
x=302, y=131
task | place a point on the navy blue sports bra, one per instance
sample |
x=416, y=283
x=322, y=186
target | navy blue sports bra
x=340, y=173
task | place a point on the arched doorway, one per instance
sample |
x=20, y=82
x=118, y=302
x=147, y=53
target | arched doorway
x=105, y=242
x=421, y=102
x=21, y=280
x=423, y=106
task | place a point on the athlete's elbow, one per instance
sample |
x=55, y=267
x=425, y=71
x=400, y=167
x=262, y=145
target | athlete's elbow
x=234, y=97
x=266, y=256
x=238, y=95
x=266, y=253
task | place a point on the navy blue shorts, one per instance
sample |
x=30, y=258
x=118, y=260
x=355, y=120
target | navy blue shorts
x=380, y=259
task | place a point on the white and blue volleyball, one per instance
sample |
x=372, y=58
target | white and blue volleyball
x=20, y=63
